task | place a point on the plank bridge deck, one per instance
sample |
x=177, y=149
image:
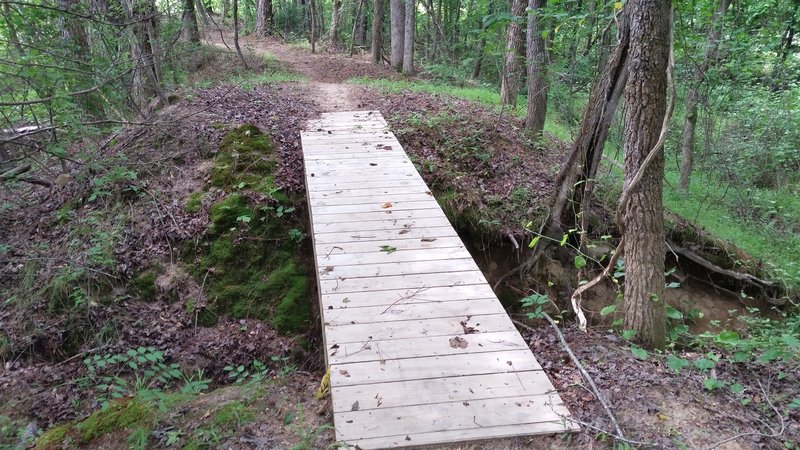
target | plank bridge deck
x=419, y=347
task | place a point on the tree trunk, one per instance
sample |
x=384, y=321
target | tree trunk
x=261, y=17
x=236, y=32
x=646, y=99
x=537, y=70
x=201, y=7
x=509, y=83
x=189, y=29
x=226, y=7
x=356, y=21
x=408, y=43
x=12, y=30
x=398, y=19
x=476, y=71
x=143, y=35
x=693, y=97
x=336, y=19
x=313, y=6
x=377, y=31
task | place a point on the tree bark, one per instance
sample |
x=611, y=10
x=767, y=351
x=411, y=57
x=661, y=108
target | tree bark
x=313, y=6
x=261, y=17
x=537, y=71
x=236, y=32
x=199, y=6
x=509, y=84
x=693, y=97
x=143, y=35
x=189, y=29
x=398, y=19
x=377, y=31
x=646, y=99
x=408, y=43
x=336, y=19
x=356, y=22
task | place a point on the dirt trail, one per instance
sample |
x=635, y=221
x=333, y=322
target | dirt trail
x=327, y=73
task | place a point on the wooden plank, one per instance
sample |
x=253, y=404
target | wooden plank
x=449, y=416
x=371, y=199
x=384, y=234
x=331, y=272
x=324, y=250
x=383, y=176
x=394, y=206
x=450, y=326
x=408, y=296
x=376, y=215
x=384, y=283
x=412, y=311
x=371, y=350
x=440, y=390
x=384, y=184
x=555, y=426
x=396, y=256
x=346, y=193
x=432, y=367
x=389, y=223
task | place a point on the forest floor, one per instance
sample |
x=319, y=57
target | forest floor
x=483, y=169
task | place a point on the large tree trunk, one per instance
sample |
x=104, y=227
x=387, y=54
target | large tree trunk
x=189, y=29
x=201, y=7
x=398, y=19
x=646, y=99
x=356, y=22
x=693, y=97
x=408, y=43
x=143, y=35
x=336, y=20
x=377, y=31
x=537, y=70
x=509, y=83
x=269, y=12
x=261, y=17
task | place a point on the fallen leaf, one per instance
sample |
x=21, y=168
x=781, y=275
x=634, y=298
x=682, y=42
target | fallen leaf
x=387, y=205
x=428, y=239
x=335, y=348
x=468, y=329
x=344, y=373
x=354, y=407
x=405, y=231
x=388, y=249
x=458, y=342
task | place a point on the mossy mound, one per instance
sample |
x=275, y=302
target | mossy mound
x=246, y=160
x=128, y=414
x=250, y=264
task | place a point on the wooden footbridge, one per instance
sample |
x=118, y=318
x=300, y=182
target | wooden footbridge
x=419, y=348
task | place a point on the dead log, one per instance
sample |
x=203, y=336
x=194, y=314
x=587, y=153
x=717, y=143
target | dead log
x=14, y=174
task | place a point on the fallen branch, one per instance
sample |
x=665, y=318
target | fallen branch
x=620, y=435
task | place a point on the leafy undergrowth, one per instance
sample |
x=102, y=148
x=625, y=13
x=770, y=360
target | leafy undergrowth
x=172, y=257
x=486, y=174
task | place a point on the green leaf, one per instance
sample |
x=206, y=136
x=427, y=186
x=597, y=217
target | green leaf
x=713, y=383
x=673, y=285
x=795, y=403
x=740, y=357
x=771, y=355
x=704, y=364
x=580, y=262
x=388, y=249
x=245, y=219
x=737, y=388
x=534, y=241
x=673, y=313
x=628, y=334
x=675, y=363
x=563, y=240
x=790, y=341
x=728, y=337
x=608, y=310
x=639, y=352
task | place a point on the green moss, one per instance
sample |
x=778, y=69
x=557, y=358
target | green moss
x=144, y=285
x=194, y=202
x=54, y=437
x=228, y=213
x=120, y=415
x=245, y=159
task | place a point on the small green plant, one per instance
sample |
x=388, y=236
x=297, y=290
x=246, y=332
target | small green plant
x=537, y=302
